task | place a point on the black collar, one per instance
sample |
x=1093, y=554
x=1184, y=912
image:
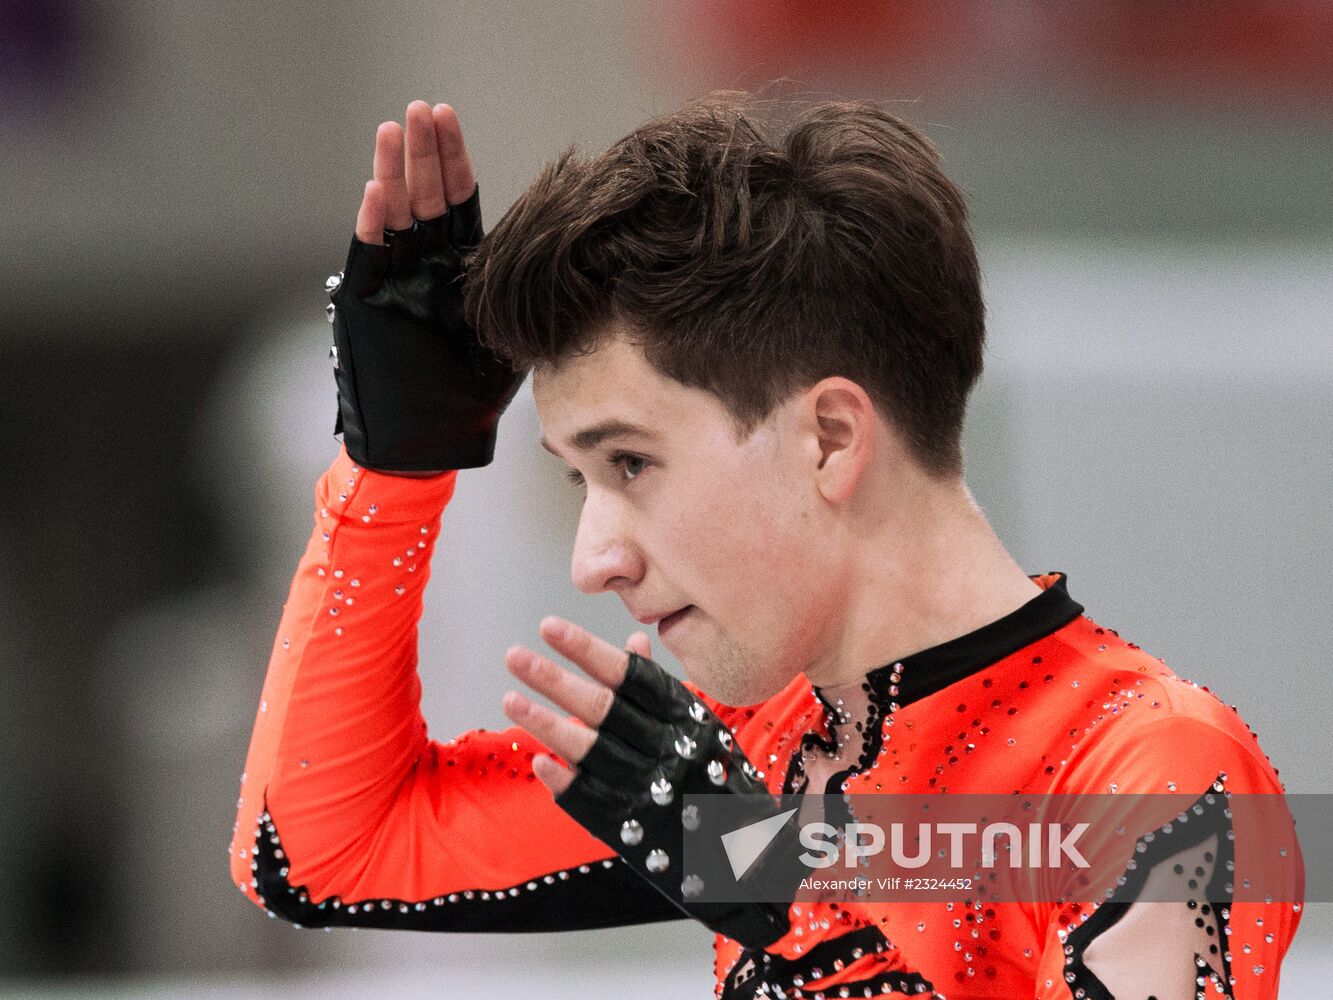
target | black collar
x=914, y=677
x=934, y=669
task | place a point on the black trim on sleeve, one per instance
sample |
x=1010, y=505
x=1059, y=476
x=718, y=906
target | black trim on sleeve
x=604, y=893
x=1208, y=816
x=757, y=973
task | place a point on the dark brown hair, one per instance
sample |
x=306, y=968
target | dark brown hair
x=752, y=260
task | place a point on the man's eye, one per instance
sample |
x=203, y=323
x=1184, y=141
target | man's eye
x=629, y=465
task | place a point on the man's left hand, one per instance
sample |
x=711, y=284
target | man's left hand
x=637, y=743
x=588, y=698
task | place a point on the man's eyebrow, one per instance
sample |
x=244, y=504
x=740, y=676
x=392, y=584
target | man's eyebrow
x=590, y=437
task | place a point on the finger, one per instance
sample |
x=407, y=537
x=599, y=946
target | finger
x=370, y=217
x=598, y=658
x=459, y=180
x=579, y=696
x=560, y=735
x=425, y=181
x=389, y=172
x=551, y=774
x=641, y=644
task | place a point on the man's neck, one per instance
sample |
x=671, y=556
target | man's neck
x=928, y=572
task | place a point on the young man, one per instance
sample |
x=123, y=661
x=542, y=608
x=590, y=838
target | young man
x=753, y=348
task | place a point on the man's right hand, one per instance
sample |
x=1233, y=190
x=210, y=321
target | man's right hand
x=417, y=393
x=435, y=174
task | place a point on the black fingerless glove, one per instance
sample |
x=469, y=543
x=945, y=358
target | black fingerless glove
x=416, y=391
x=658, y=744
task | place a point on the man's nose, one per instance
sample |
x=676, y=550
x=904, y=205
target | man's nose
x=604, y=557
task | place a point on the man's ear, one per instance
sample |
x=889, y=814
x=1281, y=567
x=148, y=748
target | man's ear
x=840, y=421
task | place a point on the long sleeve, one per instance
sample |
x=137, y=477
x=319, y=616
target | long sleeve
x=349, y=814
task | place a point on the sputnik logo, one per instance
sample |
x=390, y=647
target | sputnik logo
x=744, y=846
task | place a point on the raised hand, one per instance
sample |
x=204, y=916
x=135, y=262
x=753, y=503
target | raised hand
x=417, y=393
x=435, y=173
x=639, y=743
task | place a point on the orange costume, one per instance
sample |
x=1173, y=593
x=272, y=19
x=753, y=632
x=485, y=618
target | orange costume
x=350, y=815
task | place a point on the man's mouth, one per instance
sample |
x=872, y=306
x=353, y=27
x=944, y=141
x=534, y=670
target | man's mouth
x=669, y=622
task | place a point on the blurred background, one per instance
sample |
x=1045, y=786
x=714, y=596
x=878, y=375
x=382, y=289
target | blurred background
x=1150, y=182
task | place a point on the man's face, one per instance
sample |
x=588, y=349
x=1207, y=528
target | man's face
x=713, y=541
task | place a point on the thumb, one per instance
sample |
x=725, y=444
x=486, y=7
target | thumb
x=641, y=644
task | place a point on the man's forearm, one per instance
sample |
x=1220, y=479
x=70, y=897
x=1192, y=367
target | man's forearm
x=339, y=723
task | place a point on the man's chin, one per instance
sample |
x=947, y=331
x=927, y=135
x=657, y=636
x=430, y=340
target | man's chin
x=714, y=680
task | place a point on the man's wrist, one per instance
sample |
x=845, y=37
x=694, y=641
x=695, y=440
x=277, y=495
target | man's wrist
x=371, y=496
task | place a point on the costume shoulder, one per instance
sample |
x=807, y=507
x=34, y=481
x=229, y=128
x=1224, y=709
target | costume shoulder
x=1132, y=727
x=1141, y=728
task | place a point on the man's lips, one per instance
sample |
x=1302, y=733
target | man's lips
x=652, y=618
x=670, y=620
